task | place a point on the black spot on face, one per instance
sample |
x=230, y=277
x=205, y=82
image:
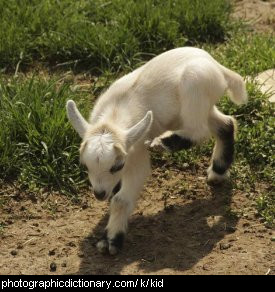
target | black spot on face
x=176, y=143
x=117, y=188
x=117, y=167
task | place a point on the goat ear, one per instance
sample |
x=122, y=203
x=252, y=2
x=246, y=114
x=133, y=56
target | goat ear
x=76, y=119
x=81, y=150
x=120, y=151
x=139, y=130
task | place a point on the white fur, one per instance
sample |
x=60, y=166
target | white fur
x=176, y=92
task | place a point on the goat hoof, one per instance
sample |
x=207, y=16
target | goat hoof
x=102, y=246
x=111, y=245
x=113, y=250
x=157, y=145
x=147, y=143
x=215, y=178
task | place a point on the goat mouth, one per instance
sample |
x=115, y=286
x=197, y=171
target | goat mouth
x=102, y=199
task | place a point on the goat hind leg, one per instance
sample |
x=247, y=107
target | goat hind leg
x=193, y=119
x=223, y=128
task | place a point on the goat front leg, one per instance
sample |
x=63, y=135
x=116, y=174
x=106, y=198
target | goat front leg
x=123, y=203
x=113, y=238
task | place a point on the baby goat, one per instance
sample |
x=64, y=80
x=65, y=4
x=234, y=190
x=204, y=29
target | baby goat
x=169, y=101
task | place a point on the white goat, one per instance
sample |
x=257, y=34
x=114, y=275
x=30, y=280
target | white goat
x=169, y=101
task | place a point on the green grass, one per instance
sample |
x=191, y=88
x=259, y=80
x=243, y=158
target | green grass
x=246, y=53
x=99, y=34
x=266, y=207
x=38, y=147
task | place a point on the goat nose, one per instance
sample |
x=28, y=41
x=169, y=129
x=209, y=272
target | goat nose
x=100, y=195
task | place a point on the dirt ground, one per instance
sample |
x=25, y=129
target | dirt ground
x=180, y=226
x=260, y=15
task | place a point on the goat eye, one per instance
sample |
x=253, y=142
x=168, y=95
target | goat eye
x=116, y=168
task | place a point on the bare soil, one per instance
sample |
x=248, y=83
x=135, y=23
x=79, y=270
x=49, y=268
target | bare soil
x=180, y=226
x=260, y=15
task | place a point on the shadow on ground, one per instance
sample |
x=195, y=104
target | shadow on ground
x=174, y=238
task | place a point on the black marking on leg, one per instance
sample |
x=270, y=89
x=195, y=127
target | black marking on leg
x=176, y=142
x=104, y=236
x=226, y=132
x=118, y=240
x=226, y=135
x=218, y=168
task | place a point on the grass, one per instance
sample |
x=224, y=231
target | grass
x=37, y=146
x=39, y=149
x=96, y=35
x=266, y=207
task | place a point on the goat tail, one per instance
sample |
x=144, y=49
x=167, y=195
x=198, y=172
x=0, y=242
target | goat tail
x=236, y=86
